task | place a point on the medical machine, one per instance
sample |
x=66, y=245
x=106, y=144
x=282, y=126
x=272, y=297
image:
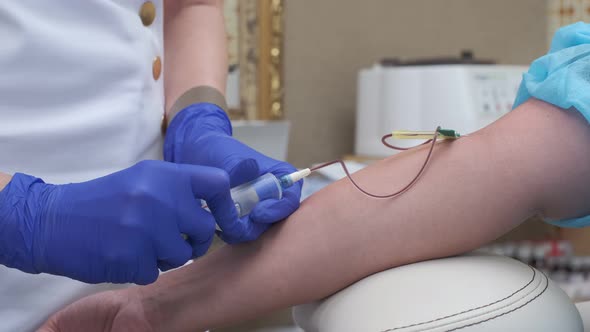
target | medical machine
x=463, y=95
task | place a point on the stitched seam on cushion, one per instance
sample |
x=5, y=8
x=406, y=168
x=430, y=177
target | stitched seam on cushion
x=466, y=311
x=492, y=310
x=508, y=312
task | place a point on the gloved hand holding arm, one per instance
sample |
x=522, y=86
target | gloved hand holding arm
x=199, y=131
x=201, y=135
x=119, y=228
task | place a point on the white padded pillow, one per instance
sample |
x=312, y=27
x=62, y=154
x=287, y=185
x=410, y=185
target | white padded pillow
x=476, y=292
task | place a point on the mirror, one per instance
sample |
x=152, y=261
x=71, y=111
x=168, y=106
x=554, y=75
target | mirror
x=255, y=46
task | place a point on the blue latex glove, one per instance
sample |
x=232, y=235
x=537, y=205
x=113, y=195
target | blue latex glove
x=119, y=228
x=201, y=135
x=562, y=78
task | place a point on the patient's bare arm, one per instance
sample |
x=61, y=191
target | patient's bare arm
x=535, y=160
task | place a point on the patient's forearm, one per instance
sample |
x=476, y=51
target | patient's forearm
x=474, y=190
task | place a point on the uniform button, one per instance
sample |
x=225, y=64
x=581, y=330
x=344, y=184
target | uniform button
x=147, y=13
x=157, y=68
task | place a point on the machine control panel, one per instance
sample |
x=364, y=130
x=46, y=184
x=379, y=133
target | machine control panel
x=495, y=92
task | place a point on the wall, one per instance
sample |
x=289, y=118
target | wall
x=328, y=41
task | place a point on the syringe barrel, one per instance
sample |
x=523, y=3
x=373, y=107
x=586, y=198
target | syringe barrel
x=247, y=195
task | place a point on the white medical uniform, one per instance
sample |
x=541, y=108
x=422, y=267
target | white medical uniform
x=81, y=96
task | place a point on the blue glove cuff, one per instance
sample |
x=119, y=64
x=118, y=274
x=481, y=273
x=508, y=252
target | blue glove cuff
x=193, y=122
x=17, y=221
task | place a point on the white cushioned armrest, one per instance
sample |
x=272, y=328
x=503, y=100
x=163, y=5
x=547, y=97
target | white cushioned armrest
x=476, y=292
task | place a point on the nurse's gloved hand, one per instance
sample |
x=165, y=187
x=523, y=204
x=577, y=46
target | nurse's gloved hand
x=201, y=135
x=119, y=228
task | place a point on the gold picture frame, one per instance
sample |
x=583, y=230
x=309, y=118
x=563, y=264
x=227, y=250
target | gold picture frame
x=259, y=44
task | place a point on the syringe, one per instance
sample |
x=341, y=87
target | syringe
x=267, y=186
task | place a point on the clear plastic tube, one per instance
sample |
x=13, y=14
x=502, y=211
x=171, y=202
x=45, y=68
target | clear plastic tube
x=247, y=195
